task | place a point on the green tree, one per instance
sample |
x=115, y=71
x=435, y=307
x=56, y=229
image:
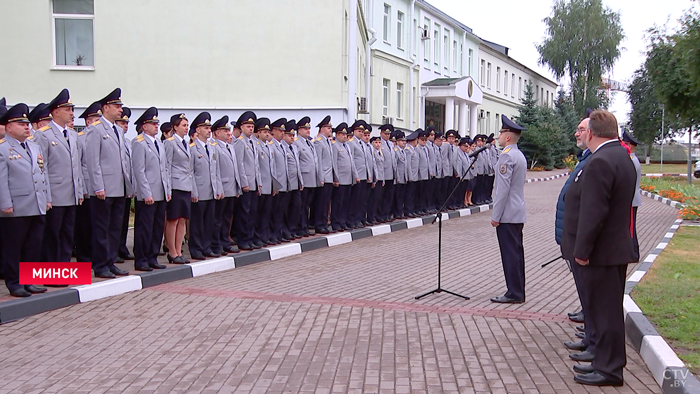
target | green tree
x=567, y=119
x=582, y=42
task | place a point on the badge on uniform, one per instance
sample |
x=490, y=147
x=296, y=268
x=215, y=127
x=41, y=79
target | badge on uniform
x=53, y=143
x=104, y=137
x=503, y=169
x=40, y=162
x=578, y=175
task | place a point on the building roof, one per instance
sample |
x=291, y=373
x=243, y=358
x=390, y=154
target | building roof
x=444, y=16
x=496, y=47
x=443, y=81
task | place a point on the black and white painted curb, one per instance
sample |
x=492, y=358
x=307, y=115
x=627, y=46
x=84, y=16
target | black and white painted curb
x=660, y=175
x=38, y=303
x=547, y=178
x=668, y=370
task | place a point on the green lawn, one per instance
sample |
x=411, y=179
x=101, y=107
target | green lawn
x=655, y=168
x=669, y=295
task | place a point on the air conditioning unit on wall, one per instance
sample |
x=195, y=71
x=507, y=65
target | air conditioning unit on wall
x=387, y=120
x=425, y=34
x=362, y=105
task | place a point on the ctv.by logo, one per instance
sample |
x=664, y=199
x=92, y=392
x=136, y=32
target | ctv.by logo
x=676, y=377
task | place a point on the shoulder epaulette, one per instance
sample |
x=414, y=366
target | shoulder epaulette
x=2, y=141
x=45, y=128
x=270, y=143
x=396, y=149
x=171, y=139
x=95, y=123
x=192, y=145
x=333, y=142
x=351, y=139
x=213, y=143
x=139, y=138
x=81, y=133
x=30, y=137
x=318, y=139
x=240, y=137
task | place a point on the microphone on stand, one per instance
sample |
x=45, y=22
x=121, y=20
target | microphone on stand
x=476, y=152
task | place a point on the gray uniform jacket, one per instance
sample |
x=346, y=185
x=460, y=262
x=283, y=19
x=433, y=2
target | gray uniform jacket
x=432, y=160
x=228, y=169
x=379, y=160
x=266, y=164
x=412, y=163
x=358, y=155
x=326, y=162
x=279, y=164
x=294, y=178
x=424, y=163
x=148, y=162
x=82, y=140
x=346, y=172
x=389, y=160
x=445, y=160
x=207, y=180
x=24, y=182
x=109, y=165
x=127, y=150
x=178, y=165
x=509, y=194
x=465, y=163
x=311, y=172
x=401, y=166
x=62, y=163
x=637, y=200
x=370, y=163
x=493, y=160
x=246, y=153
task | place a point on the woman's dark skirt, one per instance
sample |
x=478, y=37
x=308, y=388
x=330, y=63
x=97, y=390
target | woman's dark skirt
x=470, y=184
x=179, y=205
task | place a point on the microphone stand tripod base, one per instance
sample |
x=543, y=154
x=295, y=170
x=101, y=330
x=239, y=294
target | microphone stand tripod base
x=438, y=290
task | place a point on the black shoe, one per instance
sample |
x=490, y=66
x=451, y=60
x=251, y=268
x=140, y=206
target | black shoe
x=580, y=335
x=20, y=292
x=35, y=289
x=506, y=300
x=581, y=368
x=117, y=271
x=157, y=266
x=257, y=244
x=198, y=257
x=245, y=247
x=575, y=346
x=583, y=356
x=596, y=379
x=284, y=239
x=573, y=313
x=119, y=260
x=581, y=328
x=212, y=255
x=322, y=231
x=230, y=249
x=128, y=257
x=181, y=260
x=577, y=318
x=107, y=274
x=143, y=268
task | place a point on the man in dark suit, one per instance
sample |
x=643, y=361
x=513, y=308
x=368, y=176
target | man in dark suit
x=597, y=236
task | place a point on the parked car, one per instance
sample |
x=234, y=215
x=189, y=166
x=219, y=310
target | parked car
x=696, y=172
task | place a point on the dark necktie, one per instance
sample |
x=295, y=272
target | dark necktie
x=292, y=151
x=26, y=149
x=206, y=148
x=157, y=148
x=65, y=135
x=115, y=132
x=228, y=148
x=307, y=142
x=184, y=144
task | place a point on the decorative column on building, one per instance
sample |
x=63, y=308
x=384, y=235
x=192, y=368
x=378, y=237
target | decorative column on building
x=473, y=119
x=449, y=113
x=463, y=113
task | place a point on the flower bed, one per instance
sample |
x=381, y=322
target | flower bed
x=675, y=188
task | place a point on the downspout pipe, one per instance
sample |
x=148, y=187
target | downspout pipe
x=412, y=70
x=368, y=58
x=352, y=63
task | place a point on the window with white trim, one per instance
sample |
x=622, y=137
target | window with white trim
x=498, y=79
x=73, y=34
x=488, y=75
x=512, y=85
x=446, y=51
x=385, y=97
x=399, y=99
x=454, y=55
x=482, y=73
x=426, y=42
x=436, y=37
x=471, y=55
x=505, y=82
x=387, y=22
x=399, y=30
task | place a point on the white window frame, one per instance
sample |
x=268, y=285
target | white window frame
x=471, y=56
x=426, y=43
x=399, y=100
x=482, y=73
x=385, y=96
x=520, y=88
x=454, y=55
x=512, y=85
x=498, y=79
x=399, y=29
x=488, y=75
x=446, y=51
x=436, y=55
x=387, y=22
x=55, y=16
x=505, y=82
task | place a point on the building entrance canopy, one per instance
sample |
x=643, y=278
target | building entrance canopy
x=463, y=92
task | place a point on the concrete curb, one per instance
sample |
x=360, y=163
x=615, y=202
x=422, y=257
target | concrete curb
x=668, y=370
x=660, y=175
x=38, y=303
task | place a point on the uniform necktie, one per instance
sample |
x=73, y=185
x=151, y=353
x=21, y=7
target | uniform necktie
x=184, y=144
x=206, y=148
x=292, y=151
x=228, y=148
x=157, y=148
x=26, y=149
x=115, y=131
x=307, y=142
x=65, y=135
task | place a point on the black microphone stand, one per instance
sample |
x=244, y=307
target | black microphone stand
x=551, y=261
x=438, y=217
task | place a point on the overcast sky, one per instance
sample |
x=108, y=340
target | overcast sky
x=518, y=25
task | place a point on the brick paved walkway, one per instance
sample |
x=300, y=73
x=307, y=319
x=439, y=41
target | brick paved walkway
x=341, y=319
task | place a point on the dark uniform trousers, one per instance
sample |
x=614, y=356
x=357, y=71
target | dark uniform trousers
x=634, y=233
x=201, y=227
x=223, y=215
x=440, y=195
x=374, y=204
x=83, y=231
x=58, y=234
x=21, y=237
x=488, y=192
x=510, y=241
x=306, y=208
x=279, y=227
x=106, y=217
x=435, y=193
x=263, y=232
x=339, y=209
x=478, y=192
x=293, y=214
x=604, y=288
x=424, y=191
x=322, y=205
x=591, y=336
x=123, y=250
x=148, y=232
x=246, y=211
x=358, y=201
x=410, y=198
x=399, y=191
x=455, y=199
x=386, y=208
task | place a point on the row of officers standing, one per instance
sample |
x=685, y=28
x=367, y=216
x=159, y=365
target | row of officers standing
x=250, y=183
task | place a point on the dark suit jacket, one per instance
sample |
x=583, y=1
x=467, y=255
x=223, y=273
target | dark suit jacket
x=598, y=209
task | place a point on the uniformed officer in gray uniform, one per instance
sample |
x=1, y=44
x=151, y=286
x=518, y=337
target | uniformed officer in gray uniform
x=25, y=196
x=387, y=147
x=123, y=252
x=110, y=178
x=39, y=117
x=295, y=181
x=359, y=192
x=345, y=177
x=83, y=221
x=376, y=195
x=424, y=174
x=508, y=215
x=247, y=206
x=311, y=172
x=492, y=155
x=153, y=190
x=231, y=182
x=329, y=176
x=207, y=190
x=371, y=174
x=269, y=187
x=61, y=153
x=279, y=173
x=400, y=174
x=637, y=201
x=432, y=191
x=413, y=173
